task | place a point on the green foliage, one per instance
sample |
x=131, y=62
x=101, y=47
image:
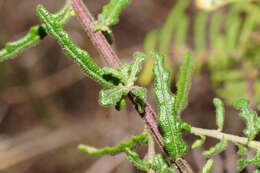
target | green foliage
x=199, y=142
x=33, y=37
x=110, y=14
x=125, y=76
x=220, y=111
x=242, y=149
x=251, y=118
x=241, y=164
x=136, y=140
x=112, y=96
x=183, y=83
x=54, y=29
x=167, y=114
x=136, y=160
x=219, y=147
x=208, y=166
x=161, y=166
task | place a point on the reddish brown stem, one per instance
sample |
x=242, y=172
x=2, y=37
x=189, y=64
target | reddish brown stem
x=106, y=51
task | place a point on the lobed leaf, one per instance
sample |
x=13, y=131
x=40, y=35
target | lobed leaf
x=112, y=96
x=251, y=118
x=219, y=147
x=199, y=142
x=167, y=117
x=220, y=111
x=136, y=140
x=33, y=37
x=54, y=28
x=117, y=74
x=242, y=163
x=110, y=14
x=207, y=168
x=183, y=83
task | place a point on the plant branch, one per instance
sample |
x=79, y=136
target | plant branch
x=220, y=135
x=106, y=51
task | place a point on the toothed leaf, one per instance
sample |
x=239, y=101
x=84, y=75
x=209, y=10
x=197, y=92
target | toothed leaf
x=251, y=118
x=54, y=28
x=167, y=117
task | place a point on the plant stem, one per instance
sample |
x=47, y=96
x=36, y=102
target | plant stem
x=106, y=51
x=220, y=135
x=97, y=38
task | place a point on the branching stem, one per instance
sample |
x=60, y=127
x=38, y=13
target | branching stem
x=220, y=135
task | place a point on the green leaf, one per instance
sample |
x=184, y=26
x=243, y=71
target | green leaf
x=136, y=160
x=242, y=149
x=219, y=147
x=208, y=166
x=183, y=84
x=135, y=67
x=242, y=163
x=110, y=97
x=136, y=140
x=33, y=37
x=117, y=74
x=220, y=111
x=199, y=142
x=54, y=28
x=161, y=166
x=121, y=104
x=110, y=14
x=257, y=170
x=168, y=120
x=139, y=92
x=251, y=118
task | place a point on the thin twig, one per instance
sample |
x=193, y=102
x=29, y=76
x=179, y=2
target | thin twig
x=219, y=135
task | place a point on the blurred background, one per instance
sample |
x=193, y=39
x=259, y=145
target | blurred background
x=48, y=106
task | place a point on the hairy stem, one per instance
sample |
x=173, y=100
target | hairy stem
x=220, y=135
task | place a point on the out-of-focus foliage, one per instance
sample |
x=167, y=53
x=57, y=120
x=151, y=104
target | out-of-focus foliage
x=222, y=42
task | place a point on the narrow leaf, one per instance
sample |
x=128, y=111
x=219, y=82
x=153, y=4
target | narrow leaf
x=207, y=168
x=183, y=84
x=251, y=118
x=167, y=117
x=199, y=142
x=242, y=163
x=54, y=28
x=136, y=67
x=33, y=37
x=220, y=111
x=136, y=160
x=219, y=147
x=110, y=97
x=110, y=14
x=136, y=140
